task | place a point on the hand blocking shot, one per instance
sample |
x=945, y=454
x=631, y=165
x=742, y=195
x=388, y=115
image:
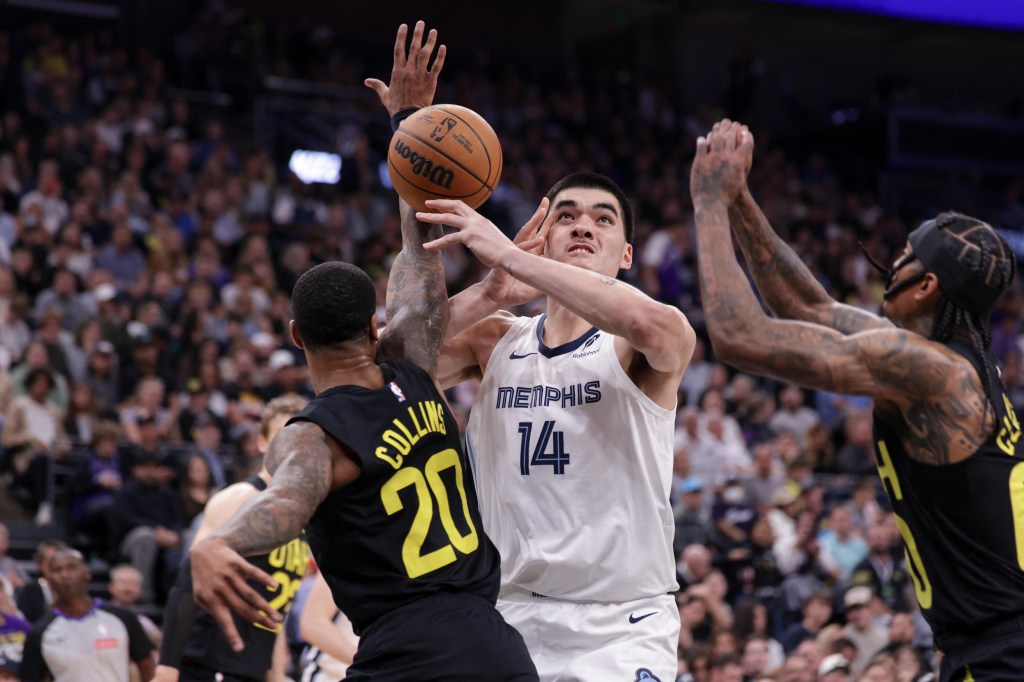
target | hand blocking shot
x=947, y=441
x=373, y=469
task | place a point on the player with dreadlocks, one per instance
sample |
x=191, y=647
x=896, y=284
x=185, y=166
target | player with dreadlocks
x=947, y=441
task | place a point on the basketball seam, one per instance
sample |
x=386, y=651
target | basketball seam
x=490, y=161
x=455, y=161
x=446, y=196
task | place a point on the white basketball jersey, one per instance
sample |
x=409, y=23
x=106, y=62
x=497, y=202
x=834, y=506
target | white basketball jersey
x=573, y=465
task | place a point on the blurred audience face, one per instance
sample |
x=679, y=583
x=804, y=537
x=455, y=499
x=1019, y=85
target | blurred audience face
x=125, y=585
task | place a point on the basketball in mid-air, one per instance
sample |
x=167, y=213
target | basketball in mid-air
x=444, y=152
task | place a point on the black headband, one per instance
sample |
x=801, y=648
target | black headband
x=964, y=287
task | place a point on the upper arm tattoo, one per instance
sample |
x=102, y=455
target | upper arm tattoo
x=302, y=464
x=784, y=280
x=417, y=298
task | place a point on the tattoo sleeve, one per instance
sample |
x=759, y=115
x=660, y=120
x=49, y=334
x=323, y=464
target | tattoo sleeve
x=784, y=280
x=301, y=462
x=417, y=298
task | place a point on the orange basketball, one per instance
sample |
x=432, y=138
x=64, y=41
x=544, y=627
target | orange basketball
x=444, y=152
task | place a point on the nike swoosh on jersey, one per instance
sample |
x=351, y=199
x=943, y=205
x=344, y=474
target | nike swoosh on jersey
x=637, y=619
x=513, y=356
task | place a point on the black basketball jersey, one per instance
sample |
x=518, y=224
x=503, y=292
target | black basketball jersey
x=408, y=526
x=208, y=647
x=962, y=524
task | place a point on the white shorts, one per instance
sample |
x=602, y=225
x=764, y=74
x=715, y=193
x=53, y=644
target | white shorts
x=597, y=642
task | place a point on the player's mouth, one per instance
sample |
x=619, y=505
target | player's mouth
x=581, y=247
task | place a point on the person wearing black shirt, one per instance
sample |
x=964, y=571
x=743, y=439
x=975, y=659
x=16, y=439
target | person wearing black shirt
x=373, y=469
x=948, y=443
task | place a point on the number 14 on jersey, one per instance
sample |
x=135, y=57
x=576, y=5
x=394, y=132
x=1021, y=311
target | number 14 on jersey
x=539, y=454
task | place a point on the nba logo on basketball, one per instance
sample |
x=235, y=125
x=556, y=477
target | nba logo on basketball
x=442, y=129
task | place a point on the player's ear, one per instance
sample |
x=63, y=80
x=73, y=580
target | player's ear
x=627, y=258
x=293, y=331
x=372, y=333
x=928, y=289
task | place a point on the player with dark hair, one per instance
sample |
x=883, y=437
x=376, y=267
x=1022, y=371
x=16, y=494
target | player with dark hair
x=571, y=433
x=373, y=470
x=194, y=649
x=946, y=437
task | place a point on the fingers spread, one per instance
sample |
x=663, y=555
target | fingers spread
x=222, y=615
x=442, y=242
x=250, y=572
x=423, y=56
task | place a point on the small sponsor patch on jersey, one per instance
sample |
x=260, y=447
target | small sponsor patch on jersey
x=397, y=391
x=104, y=643
x=645, y=674
x=637, y=619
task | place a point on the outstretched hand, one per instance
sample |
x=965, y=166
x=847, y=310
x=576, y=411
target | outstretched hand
x=219, y=584
x=412, y=83
x=720, y=167
x=504, y=289
x=477, y=233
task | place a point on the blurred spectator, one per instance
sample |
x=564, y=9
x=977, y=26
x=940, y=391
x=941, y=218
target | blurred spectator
x=196, y=486
x=101, y=376
x=817, y=611
x=125, y=587
x=33, y=436
x=857, y=455
x=92, y=487
x=36, y=358
x=207, y=437
x=36, y=599
x=884, y=569
x=12, y=574
x=861, y=629
x=13, y=631
x=793, y=415
x=148, y=520
x=797, y=668
x=733, y=517
x=751, y=620
x=697, y=377
x=726, y=668
x=765, y=478
x=834, y=668
x=842, y=547
x=693, y=519
x=755, y=657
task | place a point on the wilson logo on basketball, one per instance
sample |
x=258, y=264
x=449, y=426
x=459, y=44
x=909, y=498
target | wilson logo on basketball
x=442, y=129
x=424, y=167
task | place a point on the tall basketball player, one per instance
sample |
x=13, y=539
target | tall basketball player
x=947, y=441
x=571, y=434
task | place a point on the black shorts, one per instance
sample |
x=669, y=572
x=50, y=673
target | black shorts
x=446, y=636
x=993, y=656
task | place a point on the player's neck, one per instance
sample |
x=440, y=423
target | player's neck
x=346, y=367
x=562, y=325
x=76, y=606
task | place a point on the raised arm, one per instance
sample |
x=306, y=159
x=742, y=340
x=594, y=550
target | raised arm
x=660, y=332
x=784, y=280
x=306, y=465
x=927, y=383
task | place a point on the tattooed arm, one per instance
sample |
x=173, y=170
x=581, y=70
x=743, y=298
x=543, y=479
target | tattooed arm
x=306, y=465
x=936, y=391
x=784, y=280
x=417, y=298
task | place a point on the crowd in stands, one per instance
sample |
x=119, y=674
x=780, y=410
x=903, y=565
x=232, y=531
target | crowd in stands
x=147, y=254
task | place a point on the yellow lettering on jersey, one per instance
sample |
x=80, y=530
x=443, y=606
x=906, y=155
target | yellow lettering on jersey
x=887, y=472
x=403, y=437
x=1010, y=433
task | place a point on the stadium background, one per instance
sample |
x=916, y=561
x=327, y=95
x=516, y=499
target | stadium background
x=149, y=222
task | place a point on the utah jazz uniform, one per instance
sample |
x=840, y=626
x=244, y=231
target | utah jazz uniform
x=574, y=467
x=402, y=547
x=207, y=655
x=963, y=532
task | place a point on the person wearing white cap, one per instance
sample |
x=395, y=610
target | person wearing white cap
x=834, y=668
x=860, y=628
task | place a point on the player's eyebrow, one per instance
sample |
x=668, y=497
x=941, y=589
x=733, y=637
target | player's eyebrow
x=571, y=203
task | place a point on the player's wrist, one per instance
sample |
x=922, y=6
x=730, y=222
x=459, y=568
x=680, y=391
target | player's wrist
x=400, y=115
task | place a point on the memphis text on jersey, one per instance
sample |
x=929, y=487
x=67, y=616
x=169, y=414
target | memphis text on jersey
x=511, y=397
x=424, y=417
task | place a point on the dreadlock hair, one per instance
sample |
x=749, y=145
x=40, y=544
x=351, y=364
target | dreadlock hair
x=983, y=253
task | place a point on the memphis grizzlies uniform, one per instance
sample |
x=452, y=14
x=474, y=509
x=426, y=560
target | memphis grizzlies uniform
x=962, y=526
x=402, y=547
x=573, y=466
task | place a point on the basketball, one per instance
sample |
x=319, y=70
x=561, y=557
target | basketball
x=444, y=152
